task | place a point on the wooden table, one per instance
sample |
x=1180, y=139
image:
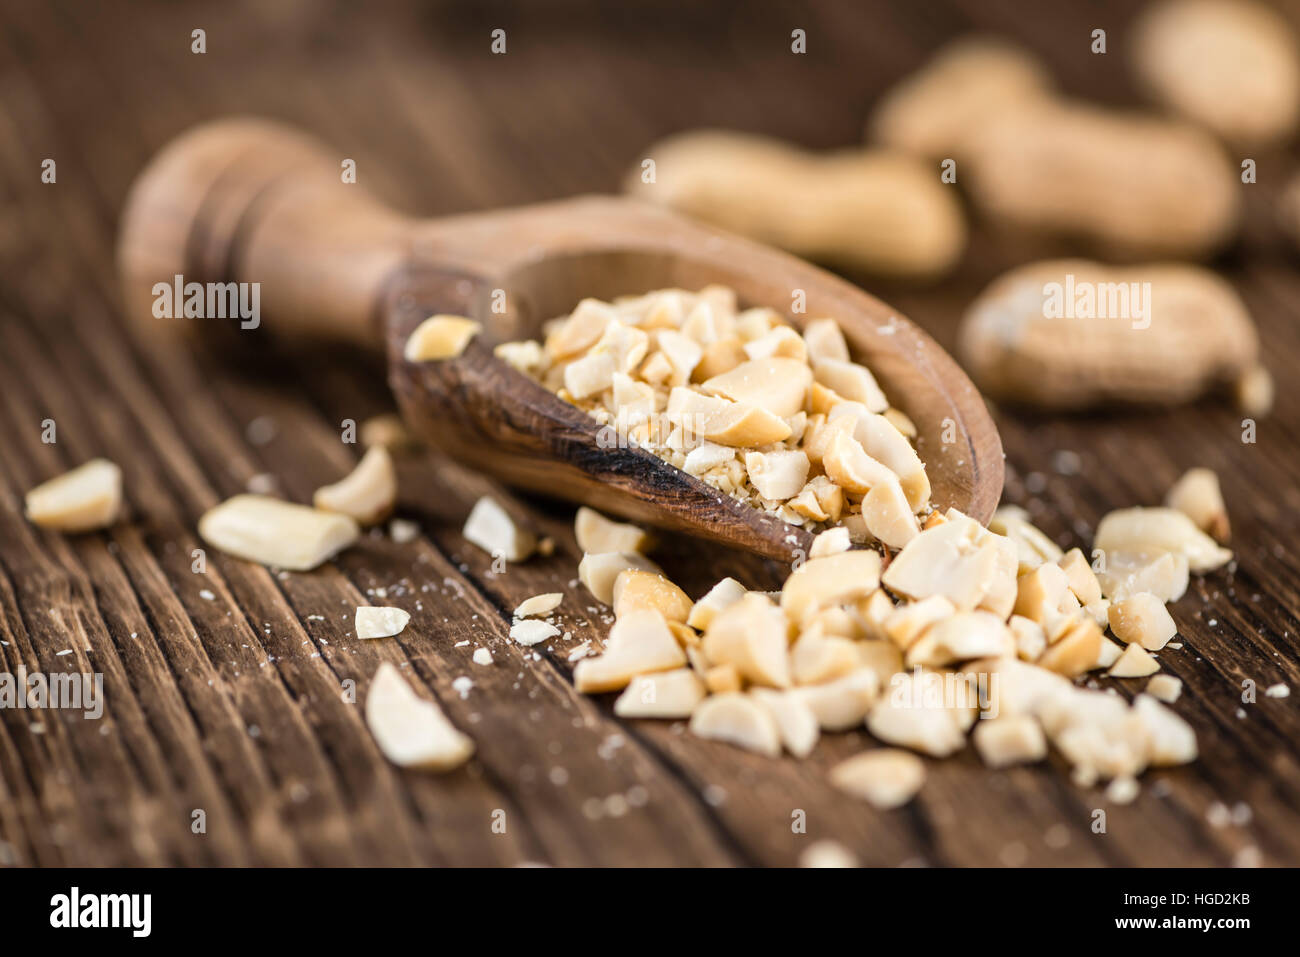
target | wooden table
x=227, y=692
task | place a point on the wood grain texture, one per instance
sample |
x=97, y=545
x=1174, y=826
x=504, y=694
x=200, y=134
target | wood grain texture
x=235, y=704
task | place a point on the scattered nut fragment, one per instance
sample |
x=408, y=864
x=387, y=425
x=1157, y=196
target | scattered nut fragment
x=1076, y=651
x=827, y=854
x=907, y=622
x=1163, y=574
x=830, y=542
x=794, y=719
x=843, y=703
x=1143, y=620
x=1172, y=740
x=532, y=631
x=1197, y=496
x=886, y=777
x=1111, y=652
x=482, y=656
x=720, y=678
x=378, y=622
x=726, y=592
x=1080, y=577
x=1160, y=529
x=367, y=494
x=410, y=731
x=84, y=499
x=817, y=658
x=1254, y=390
x=387, y=430
x=600, y=571
x=403, y=531
x=1010, y=739
x=751, y=635
x=638, y=643
x=538, y=605
x=440, y=337
x=1135, y=662
x=737, y=719
x=949, y=559
x=962, y=637
x=276, y=533
x=1031, y=642
x=831, y=580
x=1164, y=688
x=491, y=528
x=777, y=475
x=910, y=717
x=665, y=694
x=636, y=589
x=595, y=534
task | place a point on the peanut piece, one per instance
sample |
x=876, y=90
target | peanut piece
x=276, y=533
x=636, y=589
x=490, y=527
x=751, y=635
x=737, y=719
x=538, y=605
x=886, y=778
x=374, y=622
x=440, y=337
x=1197, y=495
x=665, y=694
x=596, y=533
x=1010, y=739
x=367, y=494
x=410, y=731
x=1143, y=620
x=84, y=499
x=638, y=643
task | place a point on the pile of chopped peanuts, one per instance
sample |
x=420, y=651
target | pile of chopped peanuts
x=784, y=422
x=964, y=628
x=924, y=633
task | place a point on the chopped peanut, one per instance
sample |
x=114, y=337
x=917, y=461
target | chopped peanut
x=1197, y=496
x=638, y=643
x=367, y=494
x=737, y=719
x=491, y=528
x=372, y=622
x=1142, y=619
x=277, y=533
x=87, y=498
x=886, y=778
x=1010, y=739
x=595, y=534
x=410, y=731
x=440, y=337
x=665, y=694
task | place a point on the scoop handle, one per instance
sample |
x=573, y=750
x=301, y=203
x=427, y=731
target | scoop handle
x=250, y=201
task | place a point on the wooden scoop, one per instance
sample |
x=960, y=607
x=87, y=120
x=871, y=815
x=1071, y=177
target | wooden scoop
x=252, y=201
